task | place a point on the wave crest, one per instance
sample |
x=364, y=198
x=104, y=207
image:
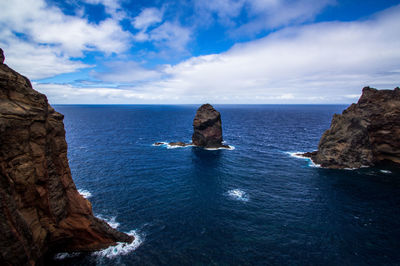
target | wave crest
x=121, y=248
x=85, y=193
x=238, y=194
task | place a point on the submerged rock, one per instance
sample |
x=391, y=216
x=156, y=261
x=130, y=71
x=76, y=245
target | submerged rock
x=207, y=128
x=41, y=210
x=364, y=134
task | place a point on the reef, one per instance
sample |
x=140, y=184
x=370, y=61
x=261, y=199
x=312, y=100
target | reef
x=41, y=211
x=365, y=134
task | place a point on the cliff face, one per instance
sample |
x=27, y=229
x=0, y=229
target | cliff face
x=40, y=207
x=364, y=134
x=207, y=127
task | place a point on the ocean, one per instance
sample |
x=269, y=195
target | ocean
x=256, y=204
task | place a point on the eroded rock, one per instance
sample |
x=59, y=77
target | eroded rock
x=40, y=208
x=364, y=134
x=207, y=128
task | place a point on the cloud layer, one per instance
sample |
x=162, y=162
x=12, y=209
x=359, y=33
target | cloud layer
x=325, y=62
x=38, y=36
x=317, y=63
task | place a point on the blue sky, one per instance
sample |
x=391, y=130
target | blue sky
x=221, y=51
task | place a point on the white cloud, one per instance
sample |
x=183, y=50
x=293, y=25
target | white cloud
x=147, y=18
x=125, y=72
x=263, y=14
x=225, y=10
x=112, y=7
x=317, y=63
x=66, y=93
x=165, y=35
x=30, y=28
x=172, y=35
x=269, y=14
x=297, y=64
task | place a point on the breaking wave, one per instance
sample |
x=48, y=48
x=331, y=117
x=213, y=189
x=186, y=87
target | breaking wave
x=238, y=194
x=121, y=248
x=230, y=148
x=168, y=146
x=298, y=155
x=85, y=193
x=110, y=220
x=385, y=171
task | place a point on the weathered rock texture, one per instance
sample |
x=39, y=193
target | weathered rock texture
x=364, y=134
x=40, y=208
x=207, y=128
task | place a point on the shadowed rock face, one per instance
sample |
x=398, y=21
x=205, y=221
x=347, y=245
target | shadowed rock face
x=40, y=208
x=207, y=127
x=1, y=56
x=364, y=134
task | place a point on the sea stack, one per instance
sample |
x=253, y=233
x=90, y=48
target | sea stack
x=365, y=133
x=41, y=211
x=207, y=128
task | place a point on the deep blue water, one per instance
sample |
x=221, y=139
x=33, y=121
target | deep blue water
x=255, y=205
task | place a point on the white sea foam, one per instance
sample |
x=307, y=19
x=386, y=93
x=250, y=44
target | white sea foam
x=110, y=220
x=164, y=144
x=230, y=148
x=121, y=248
x=385, y=171
x=62, y=256
x=85, y=193
x=312, y=164
x=177, y=146
x=168, y=146
x=238, y=194
x=299, y=155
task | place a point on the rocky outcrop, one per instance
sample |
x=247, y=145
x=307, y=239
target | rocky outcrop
x=207, y=128
x=41, y=210
x=365, y=133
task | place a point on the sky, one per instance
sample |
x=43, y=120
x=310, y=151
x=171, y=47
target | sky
x=197, y=51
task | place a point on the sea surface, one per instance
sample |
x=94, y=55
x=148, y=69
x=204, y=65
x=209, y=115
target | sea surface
x=256, y=204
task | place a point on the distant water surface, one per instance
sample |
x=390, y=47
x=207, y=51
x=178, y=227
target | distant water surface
x=254, y=205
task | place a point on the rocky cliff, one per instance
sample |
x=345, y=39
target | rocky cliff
x=207, y=129
x=41, y=210
x=364, y=134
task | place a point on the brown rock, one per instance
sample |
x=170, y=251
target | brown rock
x=364, y=134
x=158, y=143
x=41, y=210
x=1, y=56
x=207, y=127
x=179, y=144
